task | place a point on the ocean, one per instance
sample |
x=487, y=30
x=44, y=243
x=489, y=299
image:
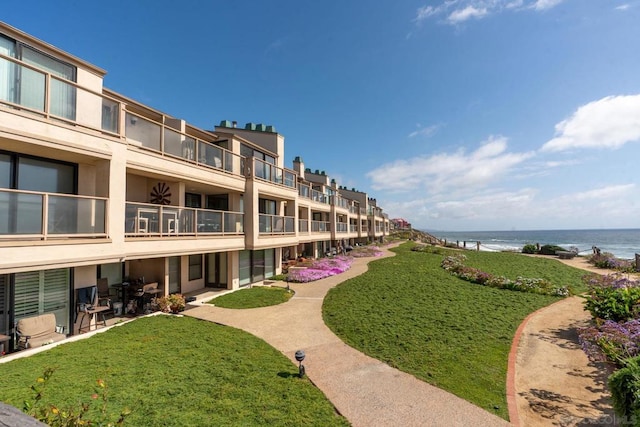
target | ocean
x=623, y=243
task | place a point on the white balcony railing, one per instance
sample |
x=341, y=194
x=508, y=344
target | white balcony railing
x=275, y=224
x=42, y=216
x=143, y=219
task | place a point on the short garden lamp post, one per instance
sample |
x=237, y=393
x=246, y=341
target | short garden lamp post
x=300, y=357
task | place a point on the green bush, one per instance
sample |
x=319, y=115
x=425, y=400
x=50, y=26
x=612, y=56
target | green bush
x=612, y=297
x=625, y=391
x=529, y=248
x=550, y=249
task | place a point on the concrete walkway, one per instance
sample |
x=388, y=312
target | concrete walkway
x=366, y=391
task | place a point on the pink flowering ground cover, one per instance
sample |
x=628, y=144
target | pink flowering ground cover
x=321, y=268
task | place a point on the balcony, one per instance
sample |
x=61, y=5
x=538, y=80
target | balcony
x=317, y=196
x=274, y=174
x=303, y=225
x=340, y=202
x=143, y=220
x=51, y=97
x=275, y=224
x=320, y=226
x=342, y=227
x=31, y=89
x=44, y=216
x=168, y=141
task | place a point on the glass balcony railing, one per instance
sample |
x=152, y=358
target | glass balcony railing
x=273, y=173
x=32, y=89
x=320, y=226
x=303, y=225
x=51, y=215
x=275, y=224
x=317, y=196
x=342, y=227
x=143, y=219
x=304, y=191
x=155, y=136
x=353, y=228
x=340, y=202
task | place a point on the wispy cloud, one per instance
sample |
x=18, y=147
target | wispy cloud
x=609, y=123
x=461, y=15
x=444, y=172
x=424, y=132
x=458, y=11
x=623, y=7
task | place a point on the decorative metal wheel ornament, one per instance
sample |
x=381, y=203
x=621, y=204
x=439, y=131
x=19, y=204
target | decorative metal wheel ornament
x=160, y=194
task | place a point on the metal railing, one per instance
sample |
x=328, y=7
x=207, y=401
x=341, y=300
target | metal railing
x=273, y=173
x=320, y=226
x=143, y=219
x=317, y=196
x=32, y=89
x=168, y=141
x=39, y=215
x=276, y=224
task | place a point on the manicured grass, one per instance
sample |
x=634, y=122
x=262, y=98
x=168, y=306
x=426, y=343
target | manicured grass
x=410, y=313
x=259, y=296
x=176, y=371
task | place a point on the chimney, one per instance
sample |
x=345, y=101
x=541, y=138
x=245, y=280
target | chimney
x=234, y=124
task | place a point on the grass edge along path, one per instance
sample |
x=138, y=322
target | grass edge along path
x=410, y=313
x=254, y=297
x=175, y=371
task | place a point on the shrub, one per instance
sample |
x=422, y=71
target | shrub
x=625, y=391
x=529, y=248
x=454, y=264
x=612, y=297
x=550, y=249
x=611, y=342
x=173, y=303
x=78, y=415
x=609, y=261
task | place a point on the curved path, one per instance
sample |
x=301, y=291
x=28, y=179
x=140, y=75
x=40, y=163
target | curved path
x=550, y=380
x=366, y=391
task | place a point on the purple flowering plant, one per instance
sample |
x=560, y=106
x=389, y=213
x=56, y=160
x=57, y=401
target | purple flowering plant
x=609, y=261
x=611, y=342
x=321, y=268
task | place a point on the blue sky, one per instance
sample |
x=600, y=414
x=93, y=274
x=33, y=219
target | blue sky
x=455, y=115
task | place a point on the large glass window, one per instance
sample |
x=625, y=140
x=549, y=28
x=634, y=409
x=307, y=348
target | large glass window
x=46, y=176
x=195, y=267
x=46, y=291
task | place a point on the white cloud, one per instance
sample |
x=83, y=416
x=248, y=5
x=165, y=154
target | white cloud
x=607, y=123
x=424, y=132
x=545, y=4
x=448, y=172
x=468, y=12
x=612, y=192
x=457, y=11
x=623, y=7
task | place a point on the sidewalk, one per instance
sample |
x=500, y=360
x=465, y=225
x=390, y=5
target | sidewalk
x=366, y=391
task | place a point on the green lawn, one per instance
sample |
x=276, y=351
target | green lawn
x=176, y=371
x=410, y=313
x=259, y=296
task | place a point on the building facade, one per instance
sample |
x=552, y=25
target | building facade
x=96, y=185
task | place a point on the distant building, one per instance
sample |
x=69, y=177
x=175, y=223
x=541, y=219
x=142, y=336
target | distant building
x=400, y=224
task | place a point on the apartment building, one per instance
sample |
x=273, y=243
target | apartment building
x=96, y=185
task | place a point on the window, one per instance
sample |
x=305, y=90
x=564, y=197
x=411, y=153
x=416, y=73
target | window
x=26, y=86
x=195, y=267
x=45, y=291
